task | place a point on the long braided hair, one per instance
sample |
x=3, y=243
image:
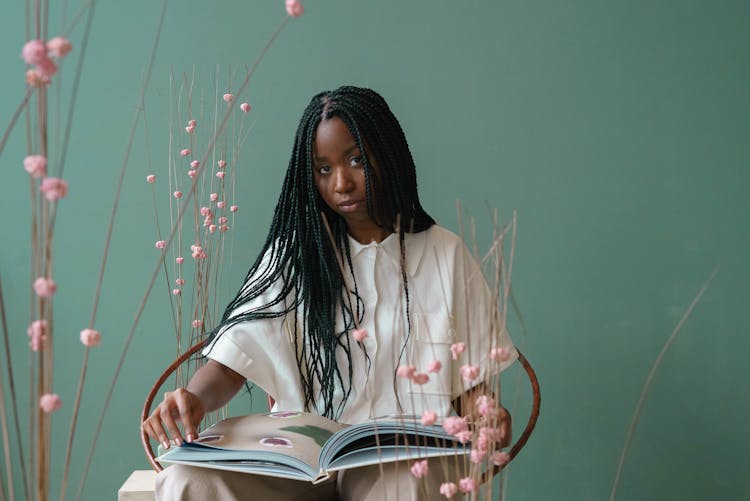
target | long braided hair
x=299, y=254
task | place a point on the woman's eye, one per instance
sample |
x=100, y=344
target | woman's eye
x=324, y=169
x=355, y=161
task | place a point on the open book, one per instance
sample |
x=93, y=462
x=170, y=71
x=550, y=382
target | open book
x=306, y=446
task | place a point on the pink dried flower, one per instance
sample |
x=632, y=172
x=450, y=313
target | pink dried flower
x=185, y=152
x=223, y=220
x=180, y=281
x=486, y=405
x=467, y=484
x=176, y=292
x=35, y=165
x=221, y=204
x=44, y=287
x=59, y=47
x=429, y=418
x=221, y=164
x=46, y=67
x=489, y=435
x=214, y=197
x=195, y=164
x=477, y=455
x=37, y=331
x=53, y=188
x=500, y=458
x=199, y=253
x=233, y=208
x=151, y=178
x=35, y=78
x=160, y=244
x=406, y=371
x=469, y=372
x=228, y=98
x=499, y=354
x=50, y=402
x=179, y=260
x=197, y=323
x=294, y=8
x=208, y=221
x=34, y=51
x=90, y=337
x=212, y=228
x=177, y=194
x=358, y=334
x=419, y=469
x=463, y=436
x=448, y=489
x=221, y=174
x=205, y=211
x=420, y=378
x=245, y=107
x=192, y=122
x=224, y=228
x=190, y=129
x=192, y=174
x=434, y=366
x=454, y=424
x=457, y=349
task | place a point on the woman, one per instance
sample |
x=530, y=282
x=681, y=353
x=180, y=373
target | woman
x=355, y=285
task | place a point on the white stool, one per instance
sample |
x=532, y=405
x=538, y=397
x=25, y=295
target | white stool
x=138, y=487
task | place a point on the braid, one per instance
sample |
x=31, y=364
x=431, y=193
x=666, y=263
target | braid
x=299, y=254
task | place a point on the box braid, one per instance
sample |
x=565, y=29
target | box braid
x=299, y=254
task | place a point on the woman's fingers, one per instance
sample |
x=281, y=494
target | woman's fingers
x=153, y=427
x=167, y=413
x=191, y=412
x=179, y=407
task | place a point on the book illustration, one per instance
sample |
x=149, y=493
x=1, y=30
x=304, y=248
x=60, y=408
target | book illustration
x=283, y=414
x=276, y=442
x=320, y=435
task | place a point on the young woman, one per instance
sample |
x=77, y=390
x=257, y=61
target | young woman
x=355, y=280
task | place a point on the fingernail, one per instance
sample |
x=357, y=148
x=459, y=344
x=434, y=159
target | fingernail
x=165, y=444
x=190, y=438
x=177, y=441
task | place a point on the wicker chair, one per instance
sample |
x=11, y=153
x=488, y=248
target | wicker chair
x=514, y=450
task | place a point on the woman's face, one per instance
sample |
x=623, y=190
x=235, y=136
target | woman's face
x=339, y=174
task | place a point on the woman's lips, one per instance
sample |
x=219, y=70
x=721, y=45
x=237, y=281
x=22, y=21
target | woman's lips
x=349, y=206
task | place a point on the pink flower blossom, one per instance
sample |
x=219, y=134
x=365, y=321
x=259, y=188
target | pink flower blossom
x=37, y=332
x=90, y=337
x=198, y=252
x=469, y=372
x=245, y=107
x=212, y=228
x=185, y=152
x=177, y=194
x=35, y=78
x=35, y=165
x=192, y=173
x=406, y=371
x=448, y=489
x=44, y=287
x=192, y=123
x=477, y=455
x=500, y=458
x=419, y=468
x=190, y=129
x=228, y=98
x=454, y=424
x=59, y=47
x=214, y=197
x=221, y=204
x=221, y=174
x=50, y=402
x=197, y=323
x=420, y=378
x=499, y=354
x=151, y=178
x=467, y=484
x=176, y=292
x=224, y=228
x=53, y=188
x=294, y=8
x=160, y=244
x=208, y=221
x=429, y=418
x=489, y=435
x=223, y=220
x=34, y=51
x=205, y=211
x=46, y=67
x=221, y=164
x=463, y=436
x=457, y=349
x=180, y=281
x=486, y=406
x=233, y=208
x=195, y=164
x=359, y=334
x=179, y=260
x=434, y=366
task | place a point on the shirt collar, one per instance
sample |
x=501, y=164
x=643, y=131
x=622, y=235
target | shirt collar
x=413, y=244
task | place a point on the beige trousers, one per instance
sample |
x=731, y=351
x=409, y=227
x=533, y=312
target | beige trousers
x=394, y=483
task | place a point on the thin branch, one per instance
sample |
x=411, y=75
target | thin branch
x=14, y=118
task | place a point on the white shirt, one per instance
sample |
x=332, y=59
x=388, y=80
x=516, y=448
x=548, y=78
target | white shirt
x=449, y=302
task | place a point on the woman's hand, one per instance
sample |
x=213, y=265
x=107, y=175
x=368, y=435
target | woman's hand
x=180, y=408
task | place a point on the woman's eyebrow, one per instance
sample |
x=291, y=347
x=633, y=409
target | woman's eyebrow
x=347, y=152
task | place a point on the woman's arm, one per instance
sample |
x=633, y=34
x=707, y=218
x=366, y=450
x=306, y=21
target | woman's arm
x=210, y=388
x=466, y=406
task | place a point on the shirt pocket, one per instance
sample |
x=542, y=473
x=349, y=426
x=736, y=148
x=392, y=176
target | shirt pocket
x=433, y=337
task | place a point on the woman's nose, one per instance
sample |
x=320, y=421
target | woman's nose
x=343, y=181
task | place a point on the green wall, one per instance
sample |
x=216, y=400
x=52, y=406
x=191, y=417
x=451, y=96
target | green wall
x=618, y=131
